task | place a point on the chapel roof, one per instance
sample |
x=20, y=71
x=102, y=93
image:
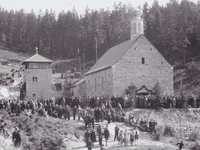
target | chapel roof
x=112, y=55
x=38, y=58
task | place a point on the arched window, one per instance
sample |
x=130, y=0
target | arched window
x=139, y=27
x=134, y=28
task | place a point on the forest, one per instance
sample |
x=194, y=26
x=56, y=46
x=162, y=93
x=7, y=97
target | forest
x=174, y=29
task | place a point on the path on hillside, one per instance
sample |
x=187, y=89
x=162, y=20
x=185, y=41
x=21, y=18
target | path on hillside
x=7, y=144
x=145, y=140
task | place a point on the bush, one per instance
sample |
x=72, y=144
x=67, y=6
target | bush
x=195, y=135
x=196, y=146
x=159, y=130
x=169, y=131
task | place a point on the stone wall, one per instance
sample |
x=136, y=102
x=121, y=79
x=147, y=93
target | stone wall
x=80, y=89
x=101, y=88
x=43, y=87
x=129, y=69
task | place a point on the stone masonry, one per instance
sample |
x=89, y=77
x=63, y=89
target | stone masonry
x=104, y=88
x=43, y=87
x=129, y=69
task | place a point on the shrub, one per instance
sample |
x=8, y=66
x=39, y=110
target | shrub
x=159, y=130
x=195, y=135
x=169, y=131
x=196, y=146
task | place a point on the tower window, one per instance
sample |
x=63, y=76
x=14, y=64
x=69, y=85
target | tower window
x=35, y=79
x=139, y=27
x=134, y=28
x=143, y=60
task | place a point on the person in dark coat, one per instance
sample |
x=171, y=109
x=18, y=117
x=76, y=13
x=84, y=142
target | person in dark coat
x=17, y=109
x=90, y=144
x=14, y=135
x=93, y=136
x=59, y=112
x=16, y=138
x=68, y=111
x=87, y=136
x=106, y=134
x=116, y=132
x=97, y=114
x=180, y=145
x=74, y=112
x=100, y=137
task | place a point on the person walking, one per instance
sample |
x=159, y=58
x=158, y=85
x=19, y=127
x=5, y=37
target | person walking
x=74, y=113
x=121, y=138
x=106, y=134
x=132, y=136
x=79, y=112
x=100, y=134
x=180, y=145
x=16, y=138
x=136, y=132
x=125, y=138
x=87, y=136
x=116, y=132
x=90, y=144
x=93, y=136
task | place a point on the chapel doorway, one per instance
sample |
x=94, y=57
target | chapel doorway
x=141, y=96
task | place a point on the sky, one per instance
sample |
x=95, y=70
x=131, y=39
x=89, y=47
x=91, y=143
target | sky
x=66, y=5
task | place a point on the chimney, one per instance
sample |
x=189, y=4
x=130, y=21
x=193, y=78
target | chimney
x=137, y=27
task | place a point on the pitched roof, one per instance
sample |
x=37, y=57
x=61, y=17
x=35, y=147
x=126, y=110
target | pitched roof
x=38, y=58
x=112, y=55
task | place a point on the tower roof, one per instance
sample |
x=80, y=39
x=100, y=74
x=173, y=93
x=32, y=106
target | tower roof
x=137, y=13
x=38, y=58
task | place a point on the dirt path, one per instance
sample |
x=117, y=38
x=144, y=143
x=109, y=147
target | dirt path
x=7, y=144
x=145, y=140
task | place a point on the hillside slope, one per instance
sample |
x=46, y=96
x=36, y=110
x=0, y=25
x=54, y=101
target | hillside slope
x=187, y=80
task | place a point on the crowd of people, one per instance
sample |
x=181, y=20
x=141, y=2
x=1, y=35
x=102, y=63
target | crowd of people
x=97, y=110
x=123, y=136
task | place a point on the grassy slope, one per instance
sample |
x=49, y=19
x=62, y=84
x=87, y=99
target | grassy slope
x=43, y=133
x=14, y=58
x=190, y=77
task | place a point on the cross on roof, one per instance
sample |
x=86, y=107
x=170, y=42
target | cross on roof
x=36, y=49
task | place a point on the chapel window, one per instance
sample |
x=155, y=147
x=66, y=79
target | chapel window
x=143, y=60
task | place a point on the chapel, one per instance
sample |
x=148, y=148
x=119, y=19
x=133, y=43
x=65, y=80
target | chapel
x=134, y=62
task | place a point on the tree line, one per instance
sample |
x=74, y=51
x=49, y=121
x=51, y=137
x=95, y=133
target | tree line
x=174, y=29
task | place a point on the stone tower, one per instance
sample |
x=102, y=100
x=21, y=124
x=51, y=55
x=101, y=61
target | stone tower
x=137, y=27
x=38, y=77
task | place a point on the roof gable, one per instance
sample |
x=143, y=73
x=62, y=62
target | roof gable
x=38, y=58
x=158, y=52
x=112, y=56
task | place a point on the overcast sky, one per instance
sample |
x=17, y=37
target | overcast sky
x=80, y=5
